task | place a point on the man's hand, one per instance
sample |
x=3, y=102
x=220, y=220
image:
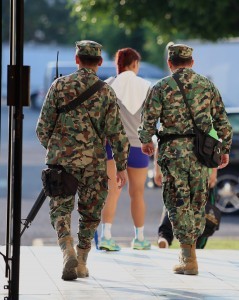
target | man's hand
x=224, y=161
x=158, y=176
x=122, y=178
x=148, y=148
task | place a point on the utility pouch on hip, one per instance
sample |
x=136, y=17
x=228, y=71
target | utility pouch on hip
x=57, y=182
x=207, y=149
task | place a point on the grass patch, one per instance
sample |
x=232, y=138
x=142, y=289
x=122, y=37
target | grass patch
x=215, y=243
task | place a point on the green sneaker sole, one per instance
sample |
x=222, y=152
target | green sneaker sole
x=141, y=248
x=108, y=248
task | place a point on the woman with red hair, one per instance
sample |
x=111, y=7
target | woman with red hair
x=131, y=91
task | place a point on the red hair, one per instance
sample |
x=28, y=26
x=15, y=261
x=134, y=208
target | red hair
x=124, y=57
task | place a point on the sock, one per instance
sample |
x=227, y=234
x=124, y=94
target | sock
x=139, y=233
x=106, y=231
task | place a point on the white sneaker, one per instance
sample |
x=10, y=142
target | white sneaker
x=163, y=243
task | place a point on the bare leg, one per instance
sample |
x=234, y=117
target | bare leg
x=108, y=212
x=137, y=178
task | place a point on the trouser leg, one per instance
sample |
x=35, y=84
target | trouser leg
x=92, y=194
x=60, y=214
x=185, y=195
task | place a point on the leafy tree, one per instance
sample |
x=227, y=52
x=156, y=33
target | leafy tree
x=111, y=36
x=146, y=25
x=59, y=21
x=160, y=21
x=45, y=21
x=206, y=19
x=100, y=27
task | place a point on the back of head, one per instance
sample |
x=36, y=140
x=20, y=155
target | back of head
x=179, y=54
x=124, y=58
x=89, y=52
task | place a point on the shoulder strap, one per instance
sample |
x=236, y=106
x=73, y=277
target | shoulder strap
x=180, y=85
x=82, y=97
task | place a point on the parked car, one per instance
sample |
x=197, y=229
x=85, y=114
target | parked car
x=227, y=196
x=147, y=71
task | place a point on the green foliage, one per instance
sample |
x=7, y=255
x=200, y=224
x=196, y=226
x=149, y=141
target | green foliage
x=162, y=20
x=100, y=26
x=146, y=25
x=112, y=37
x=206, y=19
x=44, y=22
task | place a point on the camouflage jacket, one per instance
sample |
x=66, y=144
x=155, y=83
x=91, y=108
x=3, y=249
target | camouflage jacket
x=165, y=103
x=77, y=138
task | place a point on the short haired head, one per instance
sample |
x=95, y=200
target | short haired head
x=124, y=57
x=88, y=48
x=179, y=53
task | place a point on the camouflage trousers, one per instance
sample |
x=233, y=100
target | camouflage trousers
x=185, y=193
x=92, y=192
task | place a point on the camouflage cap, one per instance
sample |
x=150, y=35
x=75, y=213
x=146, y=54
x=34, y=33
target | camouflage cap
x=179, y=50
x=87, y=47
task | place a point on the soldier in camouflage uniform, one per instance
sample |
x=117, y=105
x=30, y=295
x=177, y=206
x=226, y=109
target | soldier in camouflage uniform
x=76, y=141
x=185, y=179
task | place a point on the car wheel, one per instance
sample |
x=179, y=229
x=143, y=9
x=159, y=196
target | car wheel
x=227, y=196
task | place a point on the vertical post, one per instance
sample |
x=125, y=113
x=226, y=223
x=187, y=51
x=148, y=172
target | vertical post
x=17, y=155
x=10, y=157
x=15, y=101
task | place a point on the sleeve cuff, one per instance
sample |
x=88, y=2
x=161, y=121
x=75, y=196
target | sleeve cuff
x=121, y=167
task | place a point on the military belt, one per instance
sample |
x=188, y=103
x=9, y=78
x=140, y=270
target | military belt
x=171, y=137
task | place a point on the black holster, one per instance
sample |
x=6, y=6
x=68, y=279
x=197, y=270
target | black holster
x=57, y=182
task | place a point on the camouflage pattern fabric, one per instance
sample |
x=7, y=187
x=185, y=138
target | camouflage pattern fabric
x=166, y=102
x=185, y=191
x=92, y=192
x=77, y=138
x=89, y=48
x=180, y=50
x=185, y=179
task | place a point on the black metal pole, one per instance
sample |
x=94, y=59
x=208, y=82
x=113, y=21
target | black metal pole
x=10, y=152
x=17, y=153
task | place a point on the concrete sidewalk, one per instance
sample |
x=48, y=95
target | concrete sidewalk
x=128, y=274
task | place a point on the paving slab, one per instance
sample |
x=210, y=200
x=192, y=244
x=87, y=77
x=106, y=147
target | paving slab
x=128, y=274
